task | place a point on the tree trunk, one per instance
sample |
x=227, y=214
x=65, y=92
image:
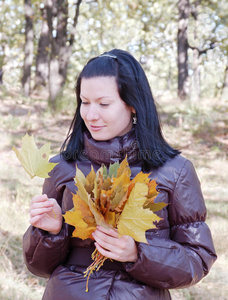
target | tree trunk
x=60, y=50
x=42, y=58
x=61, y=40
x=2, y=57
x=26, y=79
x=56, y=79
x=224, y=93
x=1, y=75
x=182, y=45
x=168, y=86
x=195, y=93
x=2, y=54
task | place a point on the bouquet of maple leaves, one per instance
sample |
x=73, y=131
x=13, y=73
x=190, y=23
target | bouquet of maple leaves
x=108, y=198
x=112, y=200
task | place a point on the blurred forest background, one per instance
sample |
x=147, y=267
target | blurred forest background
x=183, y=47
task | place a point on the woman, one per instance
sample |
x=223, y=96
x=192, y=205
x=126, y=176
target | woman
x=116, y=116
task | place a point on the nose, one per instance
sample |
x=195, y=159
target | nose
x=92, y=113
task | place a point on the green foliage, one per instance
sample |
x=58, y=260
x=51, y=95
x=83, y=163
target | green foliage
x=148, y=29
x=11, y=39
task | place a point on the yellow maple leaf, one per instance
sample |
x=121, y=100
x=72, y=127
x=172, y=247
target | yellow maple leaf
x=141, y=177
x=34, y=160
x=81, y=218
x=124, y=166
x=82, y=229
x=80, y=204
x=134, y=219
x=123, y=180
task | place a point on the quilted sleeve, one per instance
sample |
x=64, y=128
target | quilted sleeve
x=43, y=252
x=188, y=255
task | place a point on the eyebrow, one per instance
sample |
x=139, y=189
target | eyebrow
x=97, y=99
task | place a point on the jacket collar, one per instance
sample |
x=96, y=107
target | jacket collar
x=113, y=150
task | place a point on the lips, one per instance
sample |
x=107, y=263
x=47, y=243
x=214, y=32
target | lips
x=96, y=127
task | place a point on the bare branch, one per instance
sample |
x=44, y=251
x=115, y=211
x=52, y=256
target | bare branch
x=75, y=22
x=212, y=45
x=194, y=9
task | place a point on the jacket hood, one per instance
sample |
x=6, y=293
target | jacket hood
x=113, y=150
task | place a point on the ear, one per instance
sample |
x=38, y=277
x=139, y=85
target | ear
x=133, y=110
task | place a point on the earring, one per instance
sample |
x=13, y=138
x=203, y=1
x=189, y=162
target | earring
x=134, y=119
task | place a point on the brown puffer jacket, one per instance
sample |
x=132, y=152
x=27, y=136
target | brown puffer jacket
x=180, y=251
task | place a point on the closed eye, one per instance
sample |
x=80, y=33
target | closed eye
x=84, y=102
x=104, y=104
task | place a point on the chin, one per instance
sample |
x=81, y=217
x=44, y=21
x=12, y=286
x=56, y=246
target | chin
x=100, y=137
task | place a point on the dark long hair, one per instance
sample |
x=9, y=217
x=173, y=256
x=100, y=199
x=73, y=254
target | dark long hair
x=134, y=90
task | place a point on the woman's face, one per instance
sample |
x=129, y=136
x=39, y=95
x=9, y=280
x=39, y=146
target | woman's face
x=105, y=114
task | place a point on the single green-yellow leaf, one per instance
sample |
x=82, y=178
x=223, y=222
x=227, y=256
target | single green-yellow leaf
x=105, y=172
x=34, y=160
x=112, y=172
x=134, y=220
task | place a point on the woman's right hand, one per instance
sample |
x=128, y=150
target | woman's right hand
x=46, y=214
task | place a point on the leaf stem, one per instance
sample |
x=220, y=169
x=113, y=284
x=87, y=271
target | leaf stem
x=99, y=260
x=55, y=216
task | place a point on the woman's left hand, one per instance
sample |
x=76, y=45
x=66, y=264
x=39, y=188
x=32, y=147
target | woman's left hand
x=109, y=244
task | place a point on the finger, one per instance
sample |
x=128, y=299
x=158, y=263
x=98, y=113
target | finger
x=33, y=221
x=46, y=203
x=107, y=253
x=102, y=237
x=128, y=254
x=53, y=201
x=105, y=241
x=108, y=231
x=104, y=252
x=39, y=198
x=40, y=211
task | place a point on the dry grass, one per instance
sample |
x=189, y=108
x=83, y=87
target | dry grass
x=201, y=134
